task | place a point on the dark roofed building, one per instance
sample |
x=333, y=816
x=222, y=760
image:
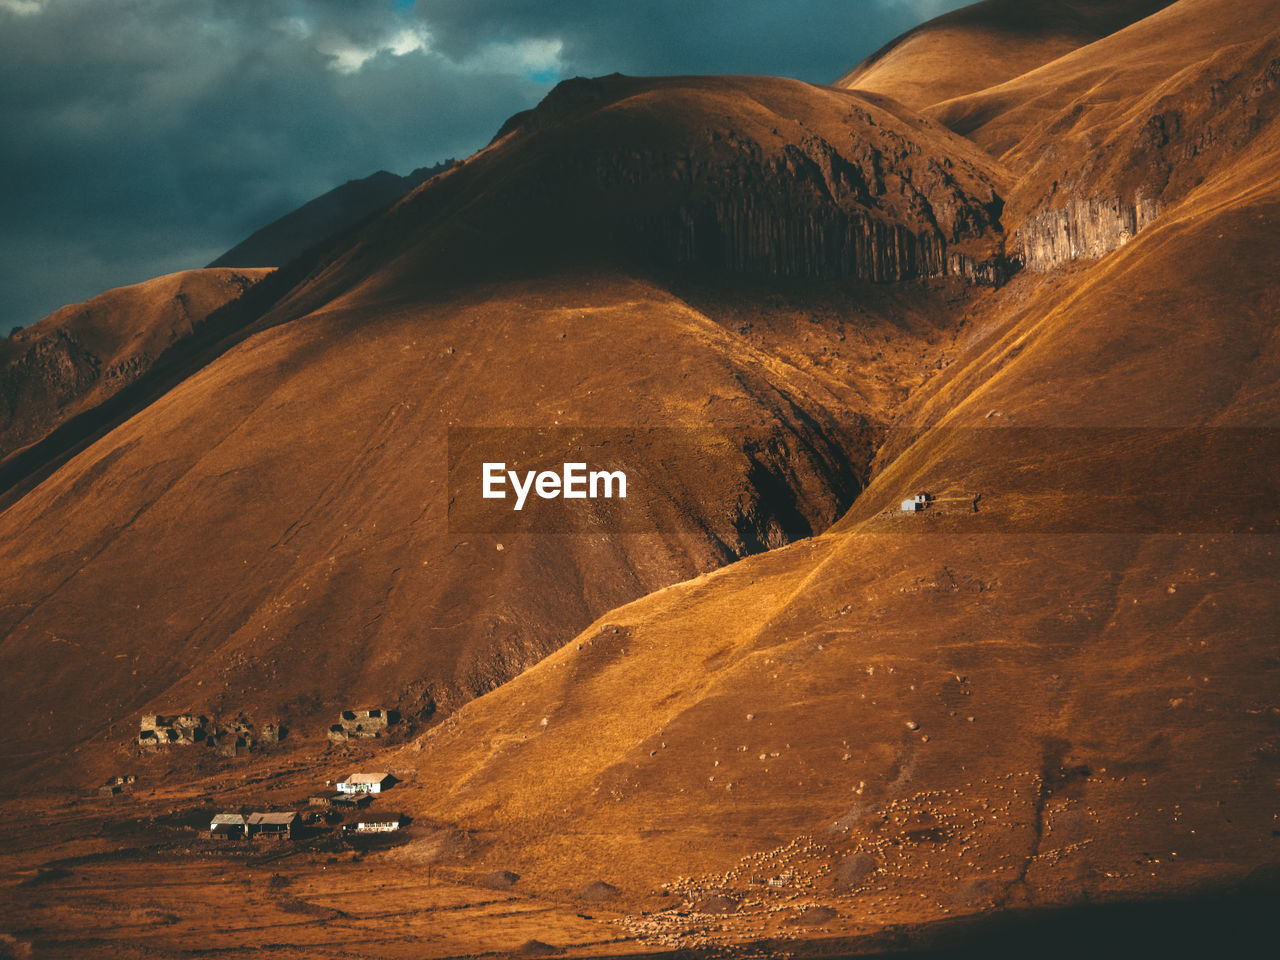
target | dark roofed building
x=227, y=826
x=351, y=800
x=274, y=826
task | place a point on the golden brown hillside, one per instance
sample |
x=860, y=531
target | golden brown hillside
x=791, y=717
x=1103, y=138
x=305, y=465
x=1068, y=694
x=987, y=43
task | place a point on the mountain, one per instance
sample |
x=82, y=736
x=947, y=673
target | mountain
x=978, y=710
x=305, y=464
x=82, y=355
x=1059, y=691
x=760, y=708
x=987, y=43
x=1094, y=161
x=340, y=209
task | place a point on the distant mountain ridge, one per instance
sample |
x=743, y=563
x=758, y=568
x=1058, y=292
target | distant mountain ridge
x=82, y=355
x=284, y=239
x=987, y=43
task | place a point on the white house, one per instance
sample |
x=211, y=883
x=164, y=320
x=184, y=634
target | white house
x=916, y=503
x=365, y=783
x=378, y=822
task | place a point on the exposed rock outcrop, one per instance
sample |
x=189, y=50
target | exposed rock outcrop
x=46, y=373
x=804, y=183
x=1083, y=229
x=864, y=211
x=1118, y=183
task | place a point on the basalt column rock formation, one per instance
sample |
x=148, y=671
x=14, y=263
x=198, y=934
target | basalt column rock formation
x=738, y=175
x=1083, y=229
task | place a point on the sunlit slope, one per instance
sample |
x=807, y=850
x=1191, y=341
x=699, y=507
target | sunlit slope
x=1174, y=335
x=81, y=355
x=271, y=536
x=985, y=44
x=1145, y=114
x=998, y=708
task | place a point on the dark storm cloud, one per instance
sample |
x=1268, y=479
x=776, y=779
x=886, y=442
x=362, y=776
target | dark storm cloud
x=145, y=136
x=813, y=40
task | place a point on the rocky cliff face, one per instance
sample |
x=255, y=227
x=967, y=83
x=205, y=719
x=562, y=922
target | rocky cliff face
x=876, y=207
x=1083, y=229
x=1119, y=180
x=50, y=372
x=818, y=212
x=801, y=182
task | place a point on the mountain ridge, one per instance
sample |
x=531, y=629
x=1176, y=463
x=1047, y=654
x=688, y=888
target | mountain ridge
x=333, y=212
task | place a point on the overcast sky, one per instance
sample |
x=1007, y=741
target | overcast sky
x=146, y=136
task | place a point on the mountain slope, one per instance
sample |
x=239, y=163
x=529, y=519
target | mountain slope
x=1094, y=161
x=305, y=464
x=737, y=175
x=1052, y=700
x=81, y=355
x=985, y=44
x=1055, y=686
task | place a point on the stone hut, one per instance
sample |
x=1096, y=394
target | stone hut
x=359, y=724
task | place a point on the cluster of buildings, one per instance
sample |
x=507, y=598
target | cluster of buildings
x=232, y=739
x=358, y=724
x=268, y=826
x=240, y=736
x=356, y=791
x=114, y=786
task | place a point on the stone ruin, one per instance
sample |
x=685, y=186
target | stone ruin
x=114, y=786
x=234, y=739
x=358, y=724
x=240, y=737
x=183, y=730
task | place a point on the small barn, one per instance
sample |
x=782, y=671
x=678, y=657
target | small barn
x=227, y=826
x=273, y=826
x=366, y=783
